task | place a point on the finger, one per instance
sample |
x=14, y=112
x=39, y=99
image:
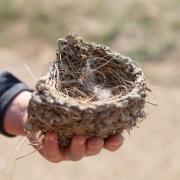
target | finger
x=77, y=148
x=113, y=142
x=51, y=150
x=94, y=146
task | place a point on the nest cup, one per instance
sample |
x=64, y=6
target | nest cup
x=88, y=90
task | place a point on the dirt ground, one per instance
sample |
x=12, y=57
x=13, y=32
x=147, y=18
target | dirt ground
x=149, y=153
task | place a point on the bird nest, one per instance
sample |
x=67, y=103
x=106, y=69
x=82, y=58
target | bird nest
x=88, y=90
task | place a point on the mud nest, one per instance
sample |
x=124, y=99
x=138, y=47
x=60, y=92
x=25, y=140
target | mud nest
x=88, y=90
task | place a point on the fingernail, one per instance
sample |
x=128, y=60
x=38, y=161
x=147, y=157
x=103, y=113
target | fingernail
x=81, y=141
x=117, y=143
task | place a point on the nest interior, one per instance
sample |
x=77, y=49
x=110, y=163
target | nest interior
x=90, y=90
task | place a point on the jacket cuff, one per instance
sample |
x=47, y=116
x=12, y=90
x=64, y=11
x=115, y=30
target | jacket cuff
x=7, y=96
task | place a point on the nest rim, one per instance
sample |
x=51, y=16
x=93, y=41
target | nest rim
x=138, y=93
x=137, y=89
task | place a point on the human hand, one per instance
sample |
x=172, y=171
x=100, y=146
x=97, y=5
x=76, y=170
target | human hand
x=80, y=147
x=16, y=117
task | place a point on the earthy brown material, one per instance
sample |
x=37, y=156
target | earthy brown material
x=88, y=90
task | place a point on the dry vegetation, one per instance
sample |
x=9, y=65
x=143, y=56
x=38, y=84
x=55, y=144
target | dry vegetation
x=146, y=31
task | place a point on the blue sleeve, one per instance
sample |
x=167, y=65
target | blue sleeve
x=10, y=87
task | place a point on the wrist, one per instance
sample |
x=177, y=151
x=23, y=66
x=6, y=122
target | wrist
x=17, y=113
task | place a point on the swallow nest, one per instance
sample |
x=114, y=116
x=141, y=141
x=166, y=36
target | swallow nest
x=88, y=90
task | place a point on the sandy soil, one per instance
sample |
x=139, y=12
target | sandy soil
x=149, y=153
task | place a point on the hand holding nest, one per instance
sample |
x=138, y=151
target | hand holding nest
x=80, y=147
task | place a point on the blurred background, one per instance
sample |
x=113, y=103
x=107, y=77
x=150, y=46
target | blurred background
x=147, y=31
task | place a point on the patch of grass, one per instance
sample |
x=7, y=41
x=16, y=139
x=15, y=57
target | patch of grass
x=113, y=30
x=176, y=25
x=139, y=12
x=142, y=27
x=40, y=16
x=8, y=12
x=146, y=20
x=47, y=25
x=147, y=52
